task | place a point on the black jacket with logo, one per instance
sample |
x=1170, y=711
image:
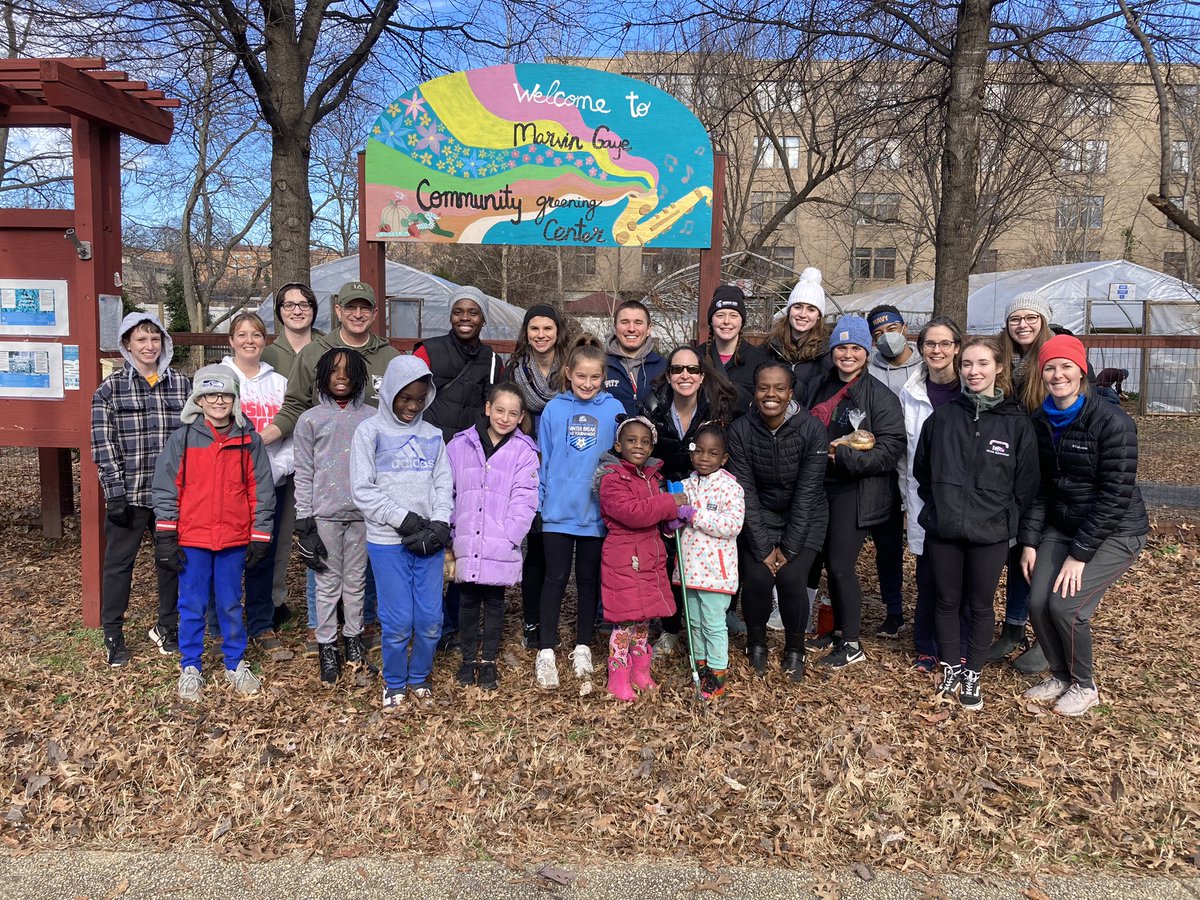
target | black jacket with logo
x=1089, y=481
x=976, y=472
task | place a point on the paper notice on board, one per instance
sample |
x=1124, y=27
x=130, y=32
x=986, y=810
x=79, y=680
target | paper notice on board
x=71, y=367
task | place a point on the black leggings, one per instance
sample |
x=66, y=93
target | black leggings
x=533, y=578
x=965, y=574
x=491, y=598
x=792, y=584
x=843, y=541
x=560, y=548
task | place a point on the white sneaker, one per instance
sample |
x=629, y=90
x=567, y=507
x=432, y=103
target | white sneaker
x=1047, y=691
x=244, y=682
x=775, y=622
x=667, y=644
x=547, y=670
x=581, y=656
x=190, y=683
x=1077, y=700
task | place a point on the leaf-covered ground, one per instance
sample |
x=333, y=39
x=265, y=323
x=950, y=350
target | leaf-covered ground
x=855, y=767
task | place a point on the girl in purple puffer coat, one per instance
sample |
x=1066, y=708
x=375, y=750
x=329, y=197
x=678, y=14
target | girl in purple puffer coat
x=495, y=470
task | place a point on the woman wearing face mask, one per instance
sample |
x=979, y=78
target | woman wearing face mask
x=690, y=393
x=800, y=337
x=728, y=350
x=860, y=483
x=932, y=384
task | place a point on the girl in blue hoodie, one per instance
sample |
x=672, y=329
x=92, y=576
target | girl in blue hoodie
x=401, y=479
x=576, y=428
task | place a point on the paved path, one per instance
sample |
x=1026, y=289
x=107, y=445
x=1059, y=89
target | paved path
x=74, y=874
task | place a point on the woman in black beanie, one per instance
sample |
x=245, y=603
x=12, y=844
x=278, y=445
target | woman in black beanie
x=727, y=349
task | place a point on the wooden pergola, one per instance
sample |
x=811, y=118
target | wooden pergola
x=83, y=247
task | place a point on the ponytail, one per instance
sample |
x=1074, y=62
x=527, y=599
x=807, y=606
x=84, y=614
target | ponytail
x=584, y=347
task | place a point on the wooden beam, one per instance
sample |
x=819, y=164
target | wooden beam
x=109, y=75
x=50, y=219
x=85, y=62
x=12, y=97
x=168, y=103
x=33, y=117
x=68, y=89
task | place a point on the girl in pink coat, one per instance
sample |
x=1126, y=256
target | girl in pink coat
x=633, y=565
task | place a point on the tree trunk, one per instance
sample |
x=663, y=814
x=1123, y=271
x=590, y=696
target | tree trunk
x=960, y=162
x=291, y=142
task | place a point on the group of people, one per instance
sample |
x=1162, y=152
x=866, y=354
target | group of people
x=418, y=487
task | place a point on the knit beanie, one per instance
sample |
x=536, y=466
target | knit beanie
x=216, y=379
x=808, y=290
x=1062, y=346
x=474, y=294
x=851, y=330
x=1028, y=300
x=541, y=310
x=728, y=296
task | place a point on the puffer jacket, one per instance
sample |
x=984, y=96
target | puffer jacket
x=806, y=372
x=1089, y=481
x=976, y=471
x=495, y=500
x=783, y=477
x=710, y=541
x=877, y=490
x=671, y=446
x=633, y=563
x=739, y=370
x=463, y=374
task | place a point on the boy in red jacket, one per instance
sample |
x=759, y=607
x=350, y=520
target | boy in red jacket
x=214, y=497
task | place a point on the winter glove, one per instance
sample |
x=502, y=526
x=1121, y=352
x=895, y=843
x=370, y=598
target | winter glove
x=257, y=552
x=442, y=532
x=312, y=548
x=167, y=555
x=536, y=527
x=412, y=524
x=687, y=512
x=428, y=541
x=118, y=512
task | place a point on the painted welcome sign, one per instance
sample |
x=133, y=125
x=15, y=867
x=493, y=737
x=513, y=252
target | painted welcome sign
x=539, y=154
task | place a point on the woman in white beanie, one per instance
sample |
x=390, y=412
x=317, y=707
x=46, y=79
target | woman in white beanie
x=800, y=337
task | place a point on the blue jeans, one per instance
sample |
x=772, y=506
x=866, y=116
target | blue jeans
x=370, y=598
x=1016, y=590
x=410, y=611
x=217, y=573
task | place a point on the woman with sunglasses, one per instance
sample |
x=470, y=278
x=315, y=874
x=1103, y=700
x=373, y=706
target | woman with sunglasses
x=689, y=393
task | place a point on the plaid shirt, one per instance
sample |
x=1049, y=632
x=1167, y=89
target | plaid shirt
x=130, y=423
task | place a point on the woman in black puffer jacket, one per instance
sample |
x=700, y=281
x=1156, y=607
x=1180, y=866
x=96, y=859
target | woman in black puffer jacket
x=1087, y=525
x=861, y=485
x=777, y=453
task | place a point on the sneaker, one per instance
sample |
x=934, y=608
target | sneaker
x=356, y=653
x=371, y=635
x=311, y=648
x=281, y=615
x=842, y=655
x=951, y=682
x=1077, y=700
x=449, y=643
x=775, y=620
x=581, y=656
x=892, y=625
x=925, y=664
x=331, y=663
x=488, y=680
x=531, y=636
x=970, y=696
x=423, y=697
x=667, y=644
x=117, y=654
x=267, y=642
x=824, y=641
x=547, y=670
x=712, y=683
x=466, y=673
x=1048, y=691
x=190, y=683
x=733, y=624
x=244, y=682
x=393, y=698
x=165, y=639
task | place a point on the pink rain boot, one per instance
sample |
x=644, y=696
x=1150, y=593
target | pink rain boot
x=642, y=656
x=618, y=665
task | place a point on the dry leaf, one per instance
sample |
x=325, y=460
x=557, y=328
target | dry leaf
x=122, y=887
x=558, y=876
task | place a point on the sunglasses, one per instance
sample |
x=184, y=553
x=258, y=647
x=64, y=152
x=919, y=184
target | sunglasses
x=679, y=370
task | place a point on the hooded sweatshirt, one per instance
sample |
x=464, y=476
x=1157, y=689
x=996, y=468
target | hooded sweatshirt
x=324, y=437
x=631, y=374
x=132, y=419
x=893, y=375
x=261, y=398
x=280, y=354
x=396, y=467
x=302, y=381
x=573, y=434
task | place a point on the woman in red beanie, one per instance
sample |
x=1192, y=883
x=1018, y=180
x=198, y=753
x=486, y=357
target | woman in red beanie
x=1087, y=525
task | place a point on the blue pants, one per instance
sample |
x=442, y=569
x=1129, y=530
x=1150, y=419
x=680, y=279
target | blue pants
x=370, y=600
x=410, y=611
x=1016, y=590
x=219, y=573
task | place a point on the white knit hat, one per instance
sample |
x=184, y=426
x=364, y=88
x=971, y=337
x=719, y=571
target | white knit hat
x=1028, y=300
x=808, y=290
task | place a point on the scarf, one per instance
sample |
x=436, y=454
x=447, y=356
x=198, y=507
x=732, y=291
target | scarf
x=1061, y=418
x=535, y=386
x=824, y=411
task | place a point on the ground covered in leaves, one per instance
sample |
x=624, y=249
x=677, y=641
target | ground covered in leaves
x=854, y=769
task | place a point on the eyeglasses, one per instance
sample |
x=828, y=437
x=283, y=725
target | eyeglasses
x=1031, y=319
x=293, y=305
x=938, y=345
x=679, y=370
x=218, y=398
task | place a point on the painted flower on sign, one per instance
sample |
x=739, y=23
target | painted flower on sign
x=431, y=137
x=414, y=105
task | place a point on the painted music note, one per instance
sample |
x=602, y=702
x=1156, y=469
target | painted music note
x=699, y=151
x=672, y=162
x=688, y=227
x=688, y=176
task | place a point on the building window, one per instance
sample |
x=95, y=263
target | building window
x=765, y=204
x=652, y=262
x=1187, y=99
x=874, y=153
x=1175, y=264
x=785, y=256
x=583, y=260
x=1061, y=257
x=1181, y=157
x=875, y=209
x=767, y=156
x=1088, y=104
x=1090, y=157
x=994, y=97
x=1079, y=212
x=873, y=262
x=988, y=262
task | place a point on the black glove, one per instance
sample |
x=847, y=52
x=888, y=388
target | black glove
x=117, y=510
x=536, y=527
x=312, y=548
x=412, y=524
x=429, y=540
x=167, y=555
x=257, y=552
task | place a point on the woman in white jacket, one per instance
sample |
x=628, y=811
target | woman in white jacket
x=933, y=382
x=261, y=393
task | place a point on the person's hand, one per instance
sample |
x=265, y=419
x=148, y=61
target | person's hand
x=412, y=524
x=256, y=552
x=270, y=435
x=780, y=560
x=426, y=542
x=441, y=530
x=680, y=499
x=1070, y=578
x=117, y=511
x=167, y=555
x=311, y=547
x=687, y=512
x=1028, y=559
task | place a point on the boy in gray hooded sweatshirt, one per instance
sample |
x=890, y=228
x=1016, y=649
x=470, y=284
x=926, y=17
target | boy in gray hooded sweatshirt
x=401, y=480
